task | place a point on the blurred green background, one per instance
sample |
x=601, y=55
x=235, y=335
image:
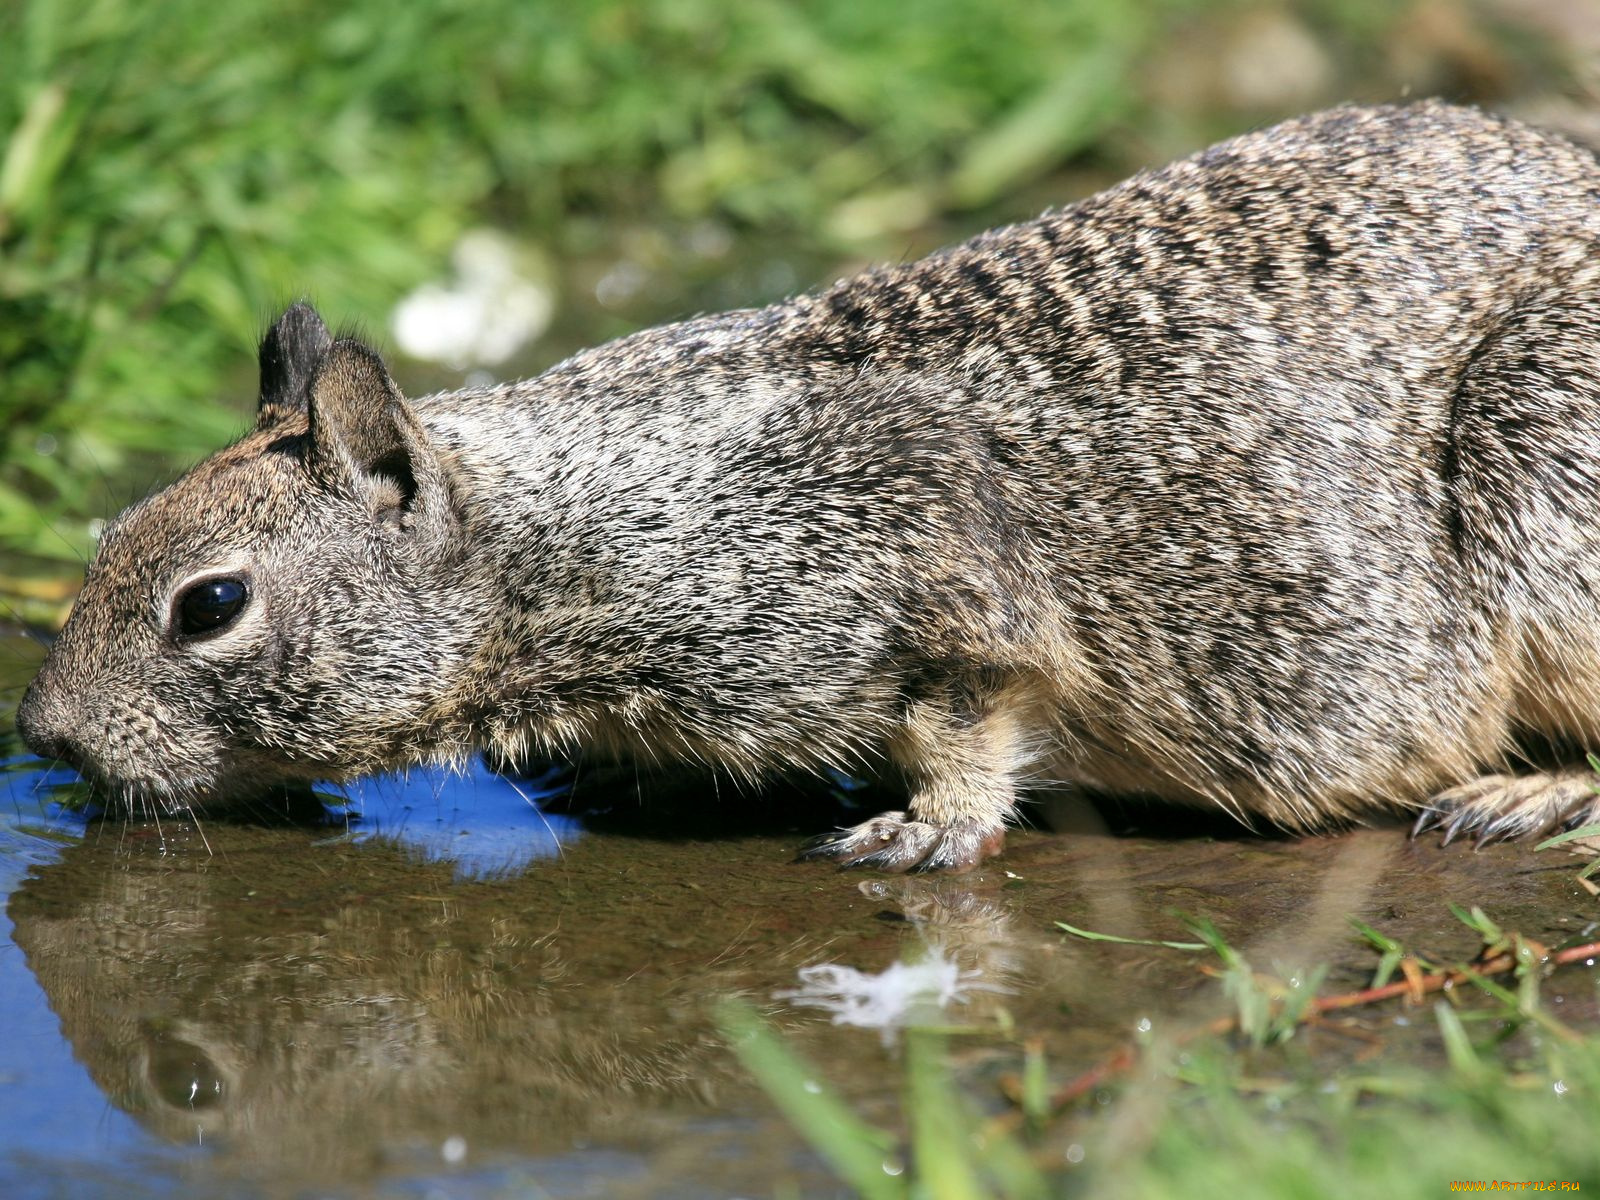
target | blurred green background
x=172, y=173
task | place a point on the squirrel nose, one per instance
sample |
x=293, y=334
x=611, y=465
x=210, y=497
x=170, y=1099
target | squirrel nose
x=40, y=734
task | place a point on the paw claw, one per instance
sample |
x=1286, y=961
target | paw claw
x=1499, y=807
x=853, y=843
x=899, y=844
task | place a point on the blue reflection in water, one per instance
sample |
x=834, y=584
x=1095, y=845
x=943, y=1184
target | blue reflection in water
x=486, y=824
x=67, y=1116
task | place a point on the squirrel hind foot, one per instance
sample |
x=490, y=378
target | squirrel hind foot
x=1494, y=808
x=899, y=844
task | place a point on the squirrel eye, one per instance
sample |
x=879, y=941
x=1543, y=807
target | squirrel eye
x=209, y=606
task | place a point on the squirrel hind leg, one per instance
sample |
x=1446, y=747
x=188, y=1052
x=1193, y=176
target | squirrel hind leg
x=961, y=754
x=1495, y=807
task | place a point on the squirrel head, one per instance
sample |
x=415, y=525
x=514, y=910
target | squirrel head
x=280, y=612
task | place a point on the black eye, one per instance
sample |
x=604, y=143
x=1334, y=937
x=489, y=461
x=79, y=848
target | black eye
x=208, y=606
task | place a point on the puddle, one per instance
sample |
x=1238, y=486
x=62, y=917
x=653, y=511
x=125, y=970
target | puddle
x=447, y=989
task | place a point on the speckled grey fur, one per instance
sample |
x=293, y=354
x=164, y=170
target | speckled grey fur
x=1266, y=479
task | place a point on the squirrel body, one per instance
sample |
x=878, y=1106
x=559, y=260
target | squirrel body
x=1267, y=479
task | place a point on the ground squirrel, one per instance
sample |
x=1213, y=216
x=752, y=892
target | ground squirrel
x=1267, y=479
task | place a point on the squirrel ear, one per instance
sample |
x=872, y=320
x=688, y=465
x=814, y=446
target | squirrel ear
x=363, y=432
x=289, y=356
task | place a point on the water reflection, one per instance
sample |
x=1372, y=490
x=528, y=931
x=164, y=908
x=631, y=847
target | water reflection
x=68, y=1119
x=293, y=1006
x=39, y=801
x=959, y=970
x=483, y=823
x=124, y=1019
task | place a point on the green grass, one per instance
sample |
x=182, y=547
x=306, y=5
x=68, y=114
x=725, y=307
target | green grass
x=1383, y=1132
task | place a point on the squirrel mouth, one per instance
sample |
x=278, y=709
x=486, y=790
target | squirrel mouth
x=245, y=791
x=292, y=803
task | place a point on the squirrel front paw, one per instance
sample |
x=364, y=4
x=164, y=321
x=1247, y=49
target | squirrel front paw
x=896, y=843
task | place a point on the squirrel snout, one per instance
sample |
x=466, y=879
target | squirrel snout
x=44, y=731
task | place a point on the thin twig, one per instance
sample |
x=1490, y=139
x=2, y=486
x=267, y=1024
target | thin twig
x=1414, y=987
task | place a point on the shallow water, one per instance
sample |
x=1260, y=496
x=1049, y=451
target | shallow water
x=442, y=990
